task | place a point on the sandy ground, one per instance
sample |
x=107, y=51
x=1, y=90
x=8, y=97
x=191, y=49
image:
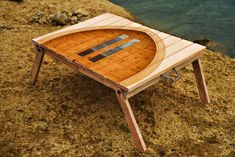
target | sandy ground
x=68, y=114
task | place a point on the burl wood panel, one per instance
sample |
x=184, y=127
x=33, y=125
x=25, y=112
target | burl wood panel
x=117, y=67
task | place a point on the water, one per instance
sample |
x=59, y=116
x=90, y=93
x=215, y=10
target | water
x=190, y=19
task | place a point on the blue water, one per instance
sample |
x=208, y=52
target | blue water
x=190, y=19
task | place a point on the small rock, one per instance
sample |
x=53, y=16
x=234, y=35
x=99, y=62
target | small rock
x=51, y=6
x=40, y=126
x=80, y=13
x=189, y=68
x=70, y=14
x=80, y=16
x=206, y=42
x=39, y=14
x=7, y=27
x=34, y=19
x=60, y=19
x=74, y=19
x=39, y=18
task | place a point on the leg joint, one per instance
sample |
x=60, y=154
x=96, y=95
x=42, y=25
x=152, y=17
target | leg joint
x=40, y=49
x=121, y=92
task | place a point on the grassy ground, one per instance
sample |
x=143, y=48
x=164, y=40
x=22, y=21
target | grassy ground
x=68, y=114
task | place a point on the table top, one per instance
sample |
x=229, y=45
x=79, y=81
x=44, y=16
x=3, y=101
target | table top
x=121, y=51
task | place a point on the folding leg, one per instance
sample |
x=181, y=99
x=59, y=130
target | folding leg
x=130, y=119
x=201, y=84
x=37, y=63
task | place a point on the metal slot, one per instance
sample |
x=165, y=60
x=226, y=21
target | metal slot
x=114, y=50
x=103, y=45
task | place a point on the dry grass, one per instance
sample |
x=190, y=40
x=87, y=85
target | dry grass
x=68, y=114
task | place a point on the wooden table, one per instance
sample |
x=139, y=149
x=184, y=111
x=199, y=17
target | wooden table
x=121, y=54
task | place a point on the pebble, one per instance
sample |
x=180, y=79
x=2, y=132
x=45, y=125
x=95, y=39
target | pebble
x=80, y=13
x=7, y=27
x=60, y=19
x=189, y=68
x=40, y=126
x=74, y=18
x=39, y=14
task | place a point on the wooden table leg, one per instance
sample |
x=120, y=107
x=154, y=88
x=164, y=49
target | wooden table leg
x=130, y=119
x=37, y=63
x=201, y=84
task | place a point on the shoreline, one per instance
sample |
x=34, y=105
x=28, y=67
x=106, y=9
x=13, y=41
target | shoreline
x=181, y=25
x=205, y=42
x=59, y=117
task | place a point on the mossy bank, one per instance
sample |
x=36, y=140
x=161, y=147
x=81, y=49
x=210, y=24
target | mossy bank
x=61, y=116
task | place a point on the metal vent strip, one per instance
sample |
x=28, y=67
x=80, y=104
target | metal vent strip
x=114, y=50
x=103, y=45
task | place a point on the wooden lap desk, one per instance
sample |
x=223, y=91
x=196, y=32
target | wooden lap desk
x=121, y=54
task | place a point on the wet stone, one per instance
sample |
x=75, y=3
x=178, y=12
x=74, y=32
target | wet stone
x=206, y=42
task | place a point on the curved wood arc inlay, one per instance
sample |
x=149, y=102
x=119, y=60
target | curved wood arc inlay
x=159, y=48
